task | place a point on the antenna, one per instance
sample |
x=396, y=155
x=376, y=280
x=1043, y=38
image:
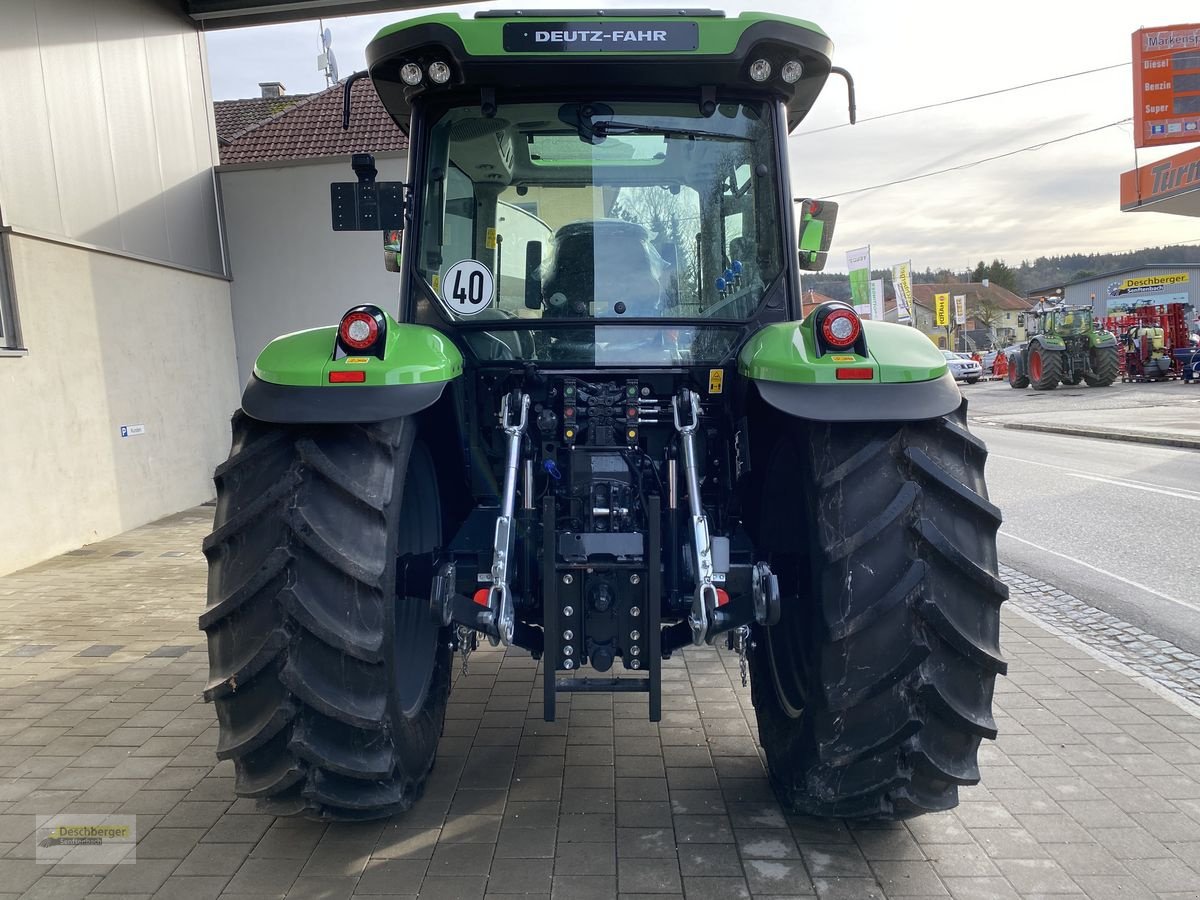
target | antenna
x=326, y=61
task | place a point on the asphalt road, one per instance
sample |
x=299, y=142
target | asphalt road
x=1115, y=524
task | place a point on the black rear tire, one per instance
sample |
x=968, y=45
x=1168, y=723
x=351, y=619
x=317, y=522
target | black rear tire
x=875, y=688
x=329, y=676
x=1105, y=367
x=1016, y=378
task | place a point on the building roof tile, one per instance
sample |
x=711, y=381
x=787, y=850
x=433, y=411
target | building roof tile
x=235, y=116
x=312, y=128
x=975, y=292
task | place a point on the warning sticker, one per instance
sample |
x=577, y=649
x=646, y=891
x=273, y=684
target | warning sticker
x=716, y=381
x=358, y=360
x=489, y=239
x=844, y=358
x=468, y=288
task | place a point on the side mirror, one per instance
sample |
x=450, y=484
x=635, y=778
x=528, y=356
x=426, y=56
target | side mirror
x=366, y=204
x=391, y=251
x=533, y=275
x=816, y=233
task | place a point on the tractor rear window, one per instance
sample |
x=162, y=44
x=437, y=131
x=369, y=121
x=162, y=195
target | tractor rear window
x=599, y=210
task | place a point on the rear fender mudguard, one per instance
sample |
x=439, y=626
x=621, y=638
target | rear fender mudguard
x=291, y=379
x=910, y=379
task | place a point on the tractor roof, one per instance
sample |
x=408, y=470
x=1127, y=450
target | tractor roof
x=524, y=54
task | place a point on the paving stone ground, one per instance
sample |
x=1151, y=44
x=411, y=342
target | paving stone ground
x=1093, y=789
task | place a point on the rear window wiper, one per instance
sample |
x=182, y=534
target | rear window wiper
x=605, y=128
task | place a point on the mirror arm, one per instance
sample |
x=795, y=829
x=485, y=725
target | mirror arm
x=346, y=97
x=838, y=70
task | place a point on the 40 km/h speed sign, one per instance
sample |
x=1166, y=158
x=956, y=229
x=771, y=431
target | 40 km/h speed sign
x=468, y=288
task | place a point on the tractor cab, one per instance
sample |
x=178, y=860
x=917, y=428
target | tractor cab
x=576, y=184
x=1067, y=321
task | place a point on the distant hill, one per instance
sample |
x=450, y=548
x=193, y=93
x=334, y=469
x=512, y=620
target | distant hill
x=1045, y=271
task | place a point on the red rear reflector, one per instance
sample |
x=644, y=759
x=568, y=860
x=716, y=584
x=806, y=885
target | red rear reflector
x=722, y=596
x=481, y=596
x=858, y=374
x=347, y=377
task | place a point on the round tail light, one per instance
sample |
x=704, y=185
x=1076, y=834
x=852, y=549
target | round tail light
x=358, y=330
x=841, y=328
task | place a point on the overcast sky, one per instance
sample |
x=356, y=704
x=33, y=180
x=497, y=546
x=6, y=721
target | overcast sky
x=1061, y=198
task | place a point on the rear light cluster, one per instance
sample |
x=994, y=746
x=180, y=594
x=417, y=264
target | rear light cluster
x=363, y=330
x=838, y=329
x=358, y=330
x=841, y=328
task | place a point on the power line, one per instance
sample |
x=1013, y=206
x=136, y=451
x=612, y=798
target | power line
x=1017, y=87
x=968, y=165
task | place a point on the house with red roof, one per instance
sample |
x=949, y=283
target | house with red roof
x=278, y=156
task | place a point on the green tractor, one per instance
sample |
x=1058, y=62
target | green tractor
x=596, y=429
x=1064, y=346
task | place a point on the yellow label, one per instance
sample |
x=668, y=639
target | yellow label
x=437, y=283
x=716, y=381
x=844, y=358
x=489, y=239
x=357, y=360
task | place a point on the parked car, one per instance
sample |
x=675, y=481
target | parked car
x=962, y=367
x=989, y=361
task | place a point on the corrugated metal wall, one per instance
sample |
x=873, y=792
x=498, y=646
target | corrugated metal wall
x=107, y=135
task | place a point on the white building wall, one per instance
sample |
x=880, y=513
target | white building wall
x=109, y=231
x=290, y=269
x=107, y=133
x=113, y=342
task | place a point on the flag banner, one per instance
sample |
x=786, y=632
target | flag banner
x=877, y=299
x=941, y=310
x=858, y=263
x=960, y=309
x=902, y=281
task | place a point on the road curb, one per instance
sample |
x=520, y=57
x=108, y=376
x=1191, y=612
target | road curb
x=1187, y=443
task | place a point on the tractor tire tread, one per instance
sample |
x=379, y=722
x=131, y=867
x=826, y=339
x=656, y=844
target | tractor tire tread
x=296, y=621
x=902, y=669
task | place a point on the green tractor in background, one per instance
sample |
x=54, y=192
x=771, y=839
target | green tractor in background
x=1064, y=346
x=596, y=429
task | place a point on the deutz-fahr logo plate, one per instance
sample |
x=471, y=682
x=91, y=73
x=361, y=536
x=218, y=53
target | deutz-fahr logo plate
x=593, y=37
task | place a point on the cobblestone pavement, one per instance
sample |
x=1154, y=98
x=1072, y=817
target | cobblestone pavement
x=1093, y=789
x=1161, y=661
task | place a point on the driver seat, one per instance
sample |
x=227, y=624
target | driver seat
x=608, y=260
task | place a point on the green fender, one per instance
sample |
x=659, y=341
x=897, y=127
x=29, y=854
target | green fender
x=291, y=379
x=1098, y=339
x=909, y=376
x=1048, y=342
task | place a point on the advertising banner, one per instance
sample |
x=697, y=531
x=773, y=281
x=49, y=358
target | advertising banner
x=1147, y=284
x=1166, y=85
x=877, y=299
x=858, y=263
x=960, y=309
x=902, y=282
x=941, y=310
